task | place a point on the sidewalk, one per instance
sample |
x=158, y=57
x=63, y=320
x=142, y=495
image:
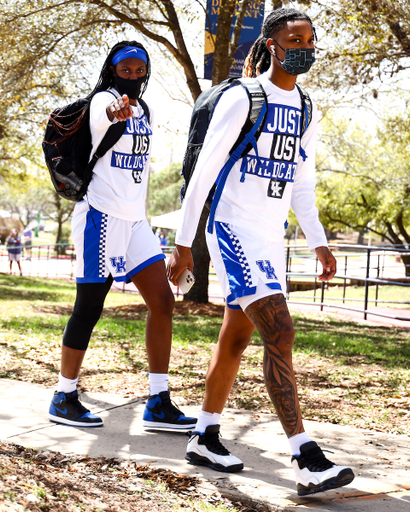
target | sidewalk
x=380, y=461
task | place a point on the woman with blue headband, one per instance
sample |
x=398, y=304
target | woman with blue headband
x=113, y=241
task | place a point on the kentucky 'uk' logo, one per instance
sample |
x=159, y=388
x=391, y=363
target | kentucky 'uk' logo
x=118, y=262
x=266, y=267
x=276, y=188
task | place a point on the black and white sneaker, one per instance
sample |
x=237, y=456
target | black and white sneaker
x=66, y=408
x=315, y=473
x=207, y=450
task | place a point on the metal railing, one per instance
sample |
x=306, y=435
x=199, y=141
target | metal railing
x=367, y=268
x=50, y=261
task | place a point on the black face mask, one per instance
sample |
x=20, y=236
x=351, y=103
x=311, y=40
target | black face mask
x=131, y=88
x=297, y=60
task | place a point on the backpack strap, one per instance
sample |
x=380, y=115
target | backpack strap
x=111, y=137
x=257, y=114
x=306, y=108
x=145, y=109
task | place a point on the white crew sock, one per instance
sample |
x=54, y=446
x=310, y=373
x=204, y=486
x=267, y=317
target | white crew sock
x=205, y=419
x=66, y=385
x=295, y=442
x=158, y=382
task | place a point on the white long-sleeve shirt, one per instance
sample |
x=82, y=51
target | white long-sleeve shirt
x=261, y=202
x=120, y=179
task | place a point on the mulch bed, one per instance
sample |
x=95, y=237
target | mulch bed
x=45, y=481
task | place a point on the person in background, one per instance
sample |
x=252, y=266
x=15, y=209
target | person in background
x=162, y=240
x=113, y=241
x=28, y=235
x=13, y=244
x=246, y=244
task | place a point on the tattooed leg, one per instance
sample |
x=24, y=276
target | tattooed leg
x=271, y=318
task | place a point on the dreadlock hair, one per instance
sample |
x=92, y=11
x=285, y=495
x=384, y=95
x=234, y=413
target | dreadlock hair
x=106, y=79
x=259, y=58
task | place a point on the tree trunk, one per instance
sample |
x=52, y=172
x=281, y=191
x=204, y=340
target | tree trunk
x=200, y=254
x=59, y=230
x=360, y=238
x=233, y=45
x=220, y=69
x=405, y=258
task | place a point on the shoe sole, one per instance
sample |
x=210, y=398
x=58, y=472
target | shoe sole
x=345, y=477
x=203, y=461
x=71, y=423
x=156, y=425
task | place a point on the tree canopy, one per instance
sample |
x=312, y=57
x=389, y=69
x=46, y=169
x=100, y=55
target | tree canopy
x=52, y=49
x=164, y=190
x=364, y=178
x=363, y=44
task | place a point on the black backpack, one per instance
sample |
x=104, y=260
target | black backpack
x=202, y=114
x=201, y=117
x=67, y=147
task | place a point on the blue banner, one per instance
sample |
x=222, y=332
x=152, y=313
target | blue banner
x=252, y=24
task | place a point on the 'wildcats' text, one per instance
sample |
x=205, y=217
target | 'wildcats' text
x=133, y=163
x=268, y=169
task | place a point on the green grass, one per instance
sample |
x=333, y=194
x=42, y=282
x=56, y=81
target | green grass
x=351, y=343
x=22, y=298
x=25, y=302
x=22, y=289
x=368, y=365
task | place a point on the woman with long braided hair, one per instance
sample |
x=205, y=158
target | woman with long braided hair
x=113, y=241
x=246, y=243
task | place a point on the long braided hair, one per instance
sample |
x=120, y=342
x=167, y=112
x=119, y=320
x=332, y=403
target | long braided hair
x=106, y=79
x=259, y=58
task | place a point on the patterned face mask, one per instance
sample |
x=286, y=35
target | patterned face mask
x=297, y=60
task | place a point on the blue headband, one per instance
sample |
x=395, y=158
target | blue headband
x=127, y=52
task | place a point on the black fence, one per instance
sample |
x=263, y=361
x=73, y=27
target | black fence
x=365, y=274
x=50, y=261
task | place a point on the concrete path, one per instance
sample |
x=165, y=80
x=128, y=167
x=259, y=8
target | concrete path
x=380, y=461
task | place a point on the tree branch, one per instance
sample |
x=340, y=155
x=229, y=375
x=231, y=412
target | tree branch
x=352, y=174
x=396, y=239
x=358, y=227
x=37, y=11
x=180, y=52
x=400, y=225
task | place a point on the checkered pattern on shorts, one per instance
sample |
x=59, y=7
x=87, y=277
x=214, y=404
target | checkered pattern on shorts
x=101, y=252
x=241, y=256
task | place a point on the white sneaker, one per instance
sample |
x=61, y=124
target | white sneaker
x=207, y=450
x=315, y=473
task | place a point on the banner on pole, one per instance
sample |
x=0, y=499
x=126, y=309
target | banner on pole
x=252, y=24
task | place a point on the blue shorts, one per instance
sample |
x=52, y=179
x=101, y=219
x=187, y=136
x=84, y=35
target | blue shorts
x=247, y=268
x=106, y=245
